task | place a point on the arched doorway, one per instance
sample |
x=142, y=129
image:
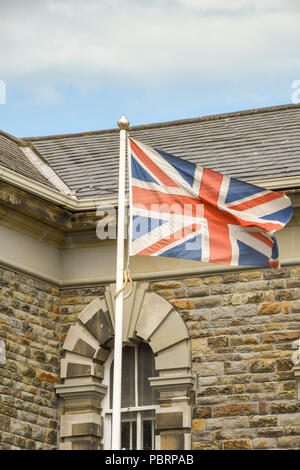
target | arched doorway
x=151, y=326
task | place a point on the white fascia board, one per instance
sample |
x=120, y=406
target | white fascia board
x=52, y=195
x=277, y=183
x=72, y=203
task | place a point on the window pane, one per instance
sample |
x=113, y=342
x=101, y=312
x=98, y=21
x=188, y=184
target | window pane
x=147, y=435
x=128, y=435
x=145, y=370
x=128, y=389
x=125, y=435
x=133, y=435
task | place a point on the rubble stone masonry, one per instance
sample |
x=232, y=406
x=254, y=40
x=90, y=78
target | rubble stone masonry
x=29, y=327
x=241, y=324
x=34, y=319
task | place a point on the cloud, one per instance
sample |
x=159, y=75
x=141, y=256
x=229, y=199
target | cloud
x=154, y=42
x=47, y=95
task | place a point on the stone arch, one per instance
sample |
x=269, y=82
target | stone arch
x=147, y=317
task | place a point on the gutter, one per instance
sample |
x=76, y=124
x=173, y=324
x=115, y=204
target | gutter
x=70, y=202
x=52, y=195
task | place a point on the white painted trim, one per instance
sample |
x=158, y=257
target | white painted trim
x=69, y=202
x=287, y=182
x=135, y=409
x=47, y=171
x=52, y=195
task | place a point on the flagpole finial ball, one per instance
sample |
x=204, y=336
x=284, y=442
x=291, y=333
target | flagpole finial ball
x=123, y=123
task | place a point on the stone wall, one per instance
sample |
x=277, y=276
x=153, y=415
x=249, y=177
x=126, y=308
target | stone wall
x=29, y=314
x=34, y=319
x=242, y=327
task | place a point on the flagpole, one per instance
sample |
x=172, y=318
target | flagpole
x=123, y=124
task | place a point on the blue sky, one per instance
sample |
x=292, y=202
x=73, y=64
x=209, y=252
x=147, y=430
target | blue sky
x=71, y=66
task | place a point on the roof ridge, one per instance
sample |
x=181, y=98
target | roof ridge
x=10, y=137
x=246, y=112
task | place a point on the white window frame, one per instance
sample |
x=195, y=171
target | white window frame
x=107, y=411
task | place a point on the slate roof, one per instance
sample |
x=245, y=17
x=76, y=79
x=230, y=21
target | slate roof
x=250, y=145
x=13, y=158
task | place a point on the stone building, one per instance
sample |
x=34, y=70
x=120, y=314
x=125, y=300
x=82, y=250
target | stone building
x=210, y=352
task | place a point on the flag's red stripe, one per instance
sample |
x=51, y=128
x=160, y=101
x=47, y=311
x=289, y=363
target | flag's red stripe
x=262, y=238
x=179, y=234
x=147, y=197
x=275, y=264
x=210, y=186
x=152, y=166
x=255, y=202
x=220, y=249
x=174, y=203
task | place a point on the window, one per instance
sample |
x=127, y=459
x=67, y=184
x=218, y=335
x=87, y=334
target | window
x=138, y=399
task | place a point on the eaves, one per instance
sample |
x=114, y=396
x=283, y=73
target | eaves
x=74, y=204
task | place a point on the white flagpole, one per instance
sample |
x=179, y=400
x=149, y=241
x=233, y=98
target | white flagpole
x=123, y=124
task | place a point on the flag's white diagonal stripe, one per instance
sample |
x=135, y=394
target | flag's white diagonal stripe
x=166, y=167
x=223, y=191
x=158, y=182
x=235, y=253
x=160, y=188
x=205, y=242
x=197, y=180
x=164, y=214
x=264, y=209
x=184, y=239
x=251, y=241
x=155, y=235
x=246, y=199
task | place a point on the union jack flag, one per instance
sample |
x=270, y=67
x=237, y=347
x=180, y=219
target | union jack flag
x=182, y=210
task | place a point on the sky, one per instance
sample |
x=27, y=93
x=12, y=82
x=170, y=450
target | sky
x=73, y=66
